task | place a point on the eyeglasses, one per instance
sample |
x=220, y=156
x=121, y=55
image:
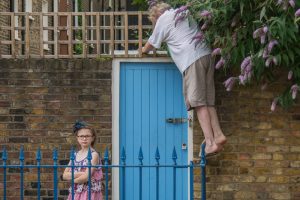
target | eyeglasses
x=84, y=136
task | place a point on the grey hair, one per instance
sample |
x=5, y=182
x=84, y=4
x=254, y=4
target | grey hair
x=156, y=10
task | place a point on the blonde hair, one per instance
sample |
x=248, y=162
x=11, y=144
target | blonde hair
x=156, y=10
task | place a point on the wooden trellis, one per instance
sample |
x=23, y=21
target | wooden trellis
x=97, y=34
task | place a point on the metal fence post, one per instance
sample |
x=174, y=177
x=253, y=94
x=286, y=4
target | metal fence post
x=191, y=180
x=4, y=158
x=72, y=158
x=21, y=158
x=89, y=158
x=157, y=158
x=106, y=159
x=141, y=157
x=55, y=180
x=203, y=174
x=174, y=157
x=38, y=161
x=123, y=175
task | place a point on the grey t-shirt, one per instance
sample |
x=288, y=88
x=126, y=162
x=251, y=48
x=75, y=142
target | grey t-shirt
x=179, y=39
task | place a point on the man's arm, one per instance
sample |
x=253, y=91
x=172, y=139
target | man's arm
x=148, y=47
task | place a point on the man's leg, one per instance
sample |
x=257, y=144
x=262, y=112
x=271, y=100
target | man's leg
x=205, y=123
x=219, y=137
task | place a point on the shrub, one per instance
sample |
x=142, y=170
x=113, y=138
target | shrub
x=256, y=40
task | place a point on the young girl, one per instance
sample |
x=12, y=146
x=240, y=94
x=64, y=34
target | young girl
x=86, y=137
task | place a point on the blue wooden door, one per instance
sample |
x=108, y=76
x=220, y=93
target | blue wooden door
x=150, y=93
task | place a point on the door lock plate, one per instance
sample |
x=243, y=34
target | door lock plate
x=176, y=120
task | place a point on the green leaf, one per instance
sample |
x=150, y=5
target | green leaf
x=285, y=59
x=297, y=50
x=262, y=13
x=242, y=8
x=286, y=99
x=260, y=53
x=291, y=55
x=291, y=34
x=278, y=57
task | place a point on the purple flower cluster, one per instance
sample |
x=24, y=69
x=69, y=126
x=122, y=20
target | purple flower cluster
x=274, y=103
x=180, y=10
x=271, y=44
x=229, y=83
x=297, y=13
x=294, y=89
x=290, y=75
x=204, y=26
x=246, y=70
x=261, y=33
x=199, y=37
x=180, y=14
x=286, y=3
x=271, y=60
x=206, y=14
x=267, y=51
x=292, y=3
x=216, y=51
x=220, y=63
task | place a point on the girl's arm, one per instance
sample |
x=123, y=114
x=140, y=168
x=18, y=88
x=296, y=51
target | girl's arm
x=83, y=178
x=67, y=175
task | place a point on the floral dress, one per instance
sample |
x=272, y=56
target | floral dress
x=81, y=190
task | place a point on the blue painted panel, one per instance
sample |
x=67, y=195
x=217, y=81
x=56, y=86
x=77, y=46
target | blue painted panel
x=149, y=94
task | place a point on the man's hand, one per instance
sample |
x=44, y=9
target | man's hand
x=148, y=47
x=143, y=51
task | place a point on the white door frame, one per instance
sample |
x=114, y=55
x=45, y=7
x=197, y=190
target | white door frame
x=116, y=63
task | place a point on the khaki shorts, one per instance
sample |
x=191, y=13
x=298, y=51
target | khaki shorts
x=198, y=83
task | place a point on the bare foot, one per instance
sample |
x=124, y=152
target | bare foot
x=212, y=148
x=220, y=140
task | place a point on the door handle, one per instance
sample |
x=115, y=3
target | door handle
x=176, y=120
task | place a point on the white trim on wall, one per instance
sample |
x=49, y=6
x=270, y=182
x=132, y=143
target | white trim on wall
x=76, y=10
x=16, y=9
x=92, y=24
x=55, y=5
x=28, y=6
x=116, y=63
x=45, y=8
